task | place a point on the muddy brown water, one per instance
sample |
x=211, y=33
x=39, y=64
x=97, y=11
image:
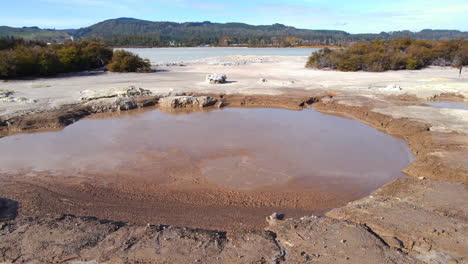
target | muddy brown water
x=217, y=169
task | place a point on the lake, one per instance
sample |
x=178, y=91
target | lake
x=167, y=55
x=450, y=105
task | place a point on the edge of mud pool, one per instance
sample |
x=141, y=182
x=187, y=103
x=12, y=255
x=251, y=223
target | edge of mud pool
x=419, y=219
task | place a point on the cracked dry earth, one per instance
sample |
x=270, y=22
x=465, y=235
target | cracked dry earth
x=419, y=219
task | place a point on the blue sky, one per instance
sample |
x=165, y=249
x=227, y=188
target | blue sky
x=352, y=16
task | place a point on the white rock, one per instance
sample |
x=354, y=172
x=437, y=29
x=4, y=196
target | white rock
x=216, y=78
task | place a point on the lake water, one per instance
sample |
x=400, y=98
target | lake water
x=450, y=105
x=166, y=55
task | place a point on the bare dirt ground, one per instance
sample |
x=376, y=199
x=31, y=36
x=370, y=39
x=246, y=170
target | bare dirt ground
x=422, y=219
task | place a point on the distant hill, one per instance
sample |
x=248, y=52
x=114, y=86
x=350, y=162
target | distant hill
x=135, y=32
x=35, y=33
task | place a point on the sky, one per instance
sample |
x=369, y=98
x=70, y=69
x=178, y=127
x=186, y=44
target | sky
x=354, y=16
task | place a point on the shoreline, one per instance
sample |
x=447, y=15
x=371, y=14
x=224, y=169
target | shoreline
x=226, y=47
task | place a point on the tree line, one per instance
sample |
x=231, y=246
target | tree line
x=142, y=33
x=19, y=58
x=399, y=54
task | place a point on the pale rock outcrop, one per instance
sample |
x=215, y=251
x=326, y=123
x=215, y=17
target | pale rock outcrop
x=187, y=101
x=130, y=91
x=391, y=87
x=5, y=93
x=6, y=97
x=12, y=99
x=112, y=104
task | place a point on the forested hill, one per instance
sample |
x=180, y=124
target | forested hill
x=202, y=33
x=135, y=32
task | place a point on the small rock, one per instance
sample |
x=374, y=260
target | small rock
x=289, y=244
x=274, y=218
x=221, y=104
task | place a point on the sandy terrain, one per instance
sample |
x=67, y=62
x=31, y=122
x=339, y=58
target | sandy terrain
x=420, y=219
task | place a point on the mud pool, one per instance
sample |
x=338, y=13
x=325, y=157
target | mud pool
x=237, y=163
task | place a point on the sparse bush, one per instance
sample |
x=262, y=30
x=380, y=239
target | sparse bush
x=124, y=61
x=380, y=55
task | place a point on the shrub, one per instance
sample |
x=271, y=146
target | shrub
x=30, y=58
x=350, y=63
x=96, y=54
x=49, y=63
x=380, y=55
x=7, y=64
x=124, y=61
x=69, y=57
x=411, y=64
